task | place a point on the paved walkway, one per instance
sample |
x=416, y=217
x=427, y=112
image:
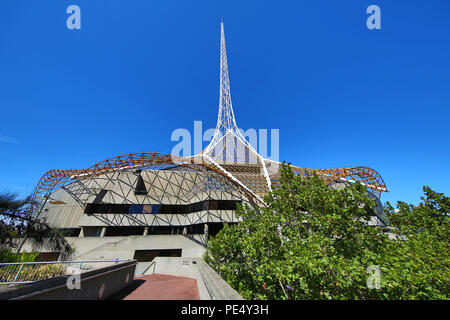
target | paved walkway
x=160, y=287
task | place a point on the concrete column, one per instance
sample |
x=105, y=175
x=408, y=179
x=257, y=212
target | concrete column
x=206, y=231
x=145, y=231
x=102, y=234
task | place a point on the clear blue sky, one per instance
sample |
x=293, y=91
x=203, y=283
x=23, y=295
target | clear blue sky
x=341, y=95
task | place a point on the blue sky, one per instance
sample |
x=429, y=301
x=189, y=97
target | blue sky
x=341, y=95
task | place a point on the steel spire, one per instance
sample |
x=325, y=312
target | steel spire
x=228, y=145
x=226, y=128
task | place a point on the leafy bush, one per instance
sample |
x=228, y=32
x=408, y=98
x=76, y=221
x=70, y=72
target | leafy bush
x=313, y=242
x=16, y=221
x=29, y=256
x=7, y=256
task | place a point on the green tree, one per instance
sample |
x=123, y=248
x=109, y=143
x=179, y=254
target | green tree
x=421, y=262
x=17, y=222
x=313, y=242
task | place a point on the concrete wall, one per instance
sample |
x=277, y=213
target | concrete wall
x=97, y=284
x=105, y=248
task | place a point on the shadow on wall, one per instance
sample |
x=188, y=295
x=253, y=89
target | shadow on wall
x=121, y=295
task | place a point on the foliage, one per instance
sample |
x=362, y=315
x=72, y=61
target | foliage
x=29, y=256
x=9, y=226
x=40, y=272
x=423, y=255
x=32, y=272
x=313, y=242
x=7, y=256
x=17, y=223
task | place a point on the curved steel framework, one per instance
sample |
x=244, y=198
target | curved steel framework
x=229, y=158
x=56, y=179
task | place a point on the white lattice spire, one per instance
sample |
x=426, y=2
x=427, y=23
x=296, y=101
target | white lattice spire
x=226, y=128
x=228, y=145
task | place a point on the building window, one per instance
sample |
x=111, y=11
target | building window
x=214, y=228
x=196, y=207
x=92, y=208
x=124, y=231
x=99, y=208
x=136, y=208
x=149, y=255
x=196, y=229
x=222, y=204
x=70, y=232
x=92, y=231
x=161, y=230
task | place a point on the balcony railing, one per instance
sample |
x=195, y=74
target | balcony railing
x=26, y=272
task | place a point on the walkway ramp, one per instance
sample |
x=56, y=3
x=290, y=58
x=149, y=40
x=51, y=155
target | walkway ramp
x=160, y=287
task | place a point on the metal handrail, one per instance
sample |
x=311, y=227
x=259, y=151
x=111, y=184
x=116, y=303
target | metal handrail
x=61, y=262
x=26, y=272
x=153, y=263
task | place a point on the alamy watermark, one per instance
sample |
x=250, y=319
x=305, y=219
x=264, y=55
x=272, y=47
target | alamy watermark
x=374, y=278
x=74, y=20
x=230, y=148
x=74, y=281
x=374, y=20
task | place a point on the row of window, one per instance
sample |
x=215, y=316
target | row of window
x=114, y=231
x=152, y=230
x=93, y=208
